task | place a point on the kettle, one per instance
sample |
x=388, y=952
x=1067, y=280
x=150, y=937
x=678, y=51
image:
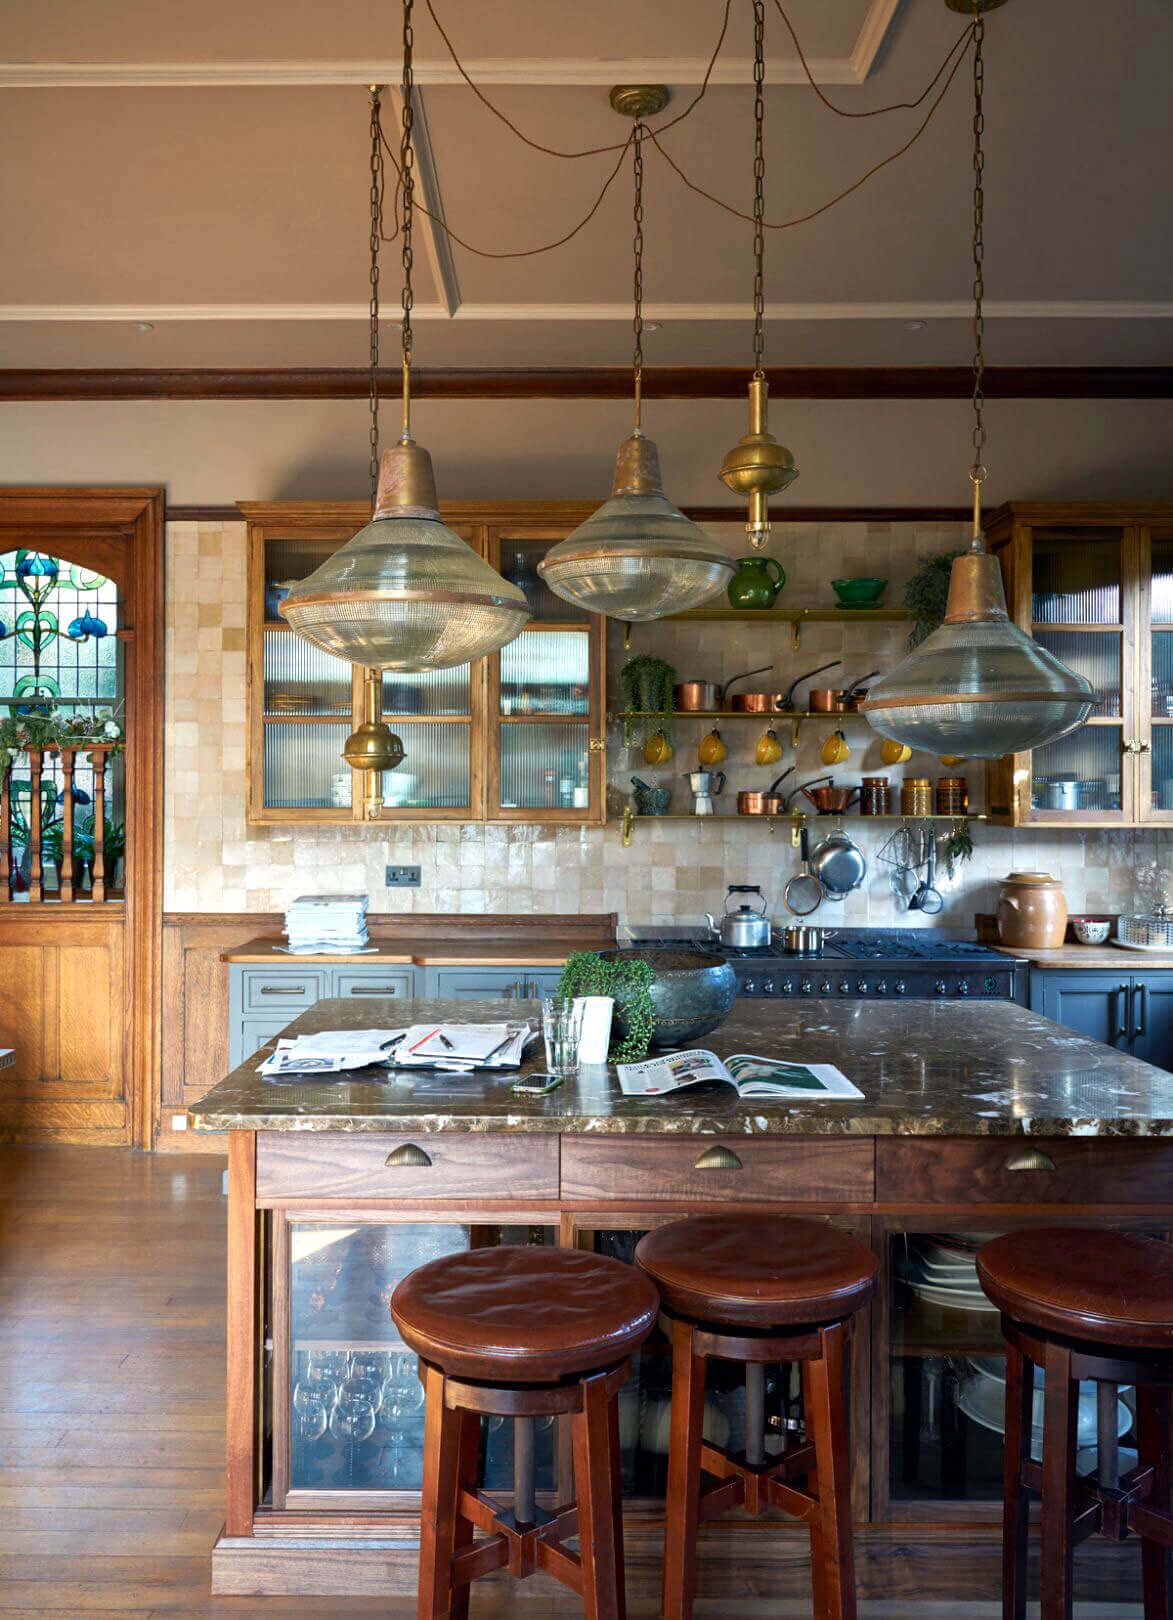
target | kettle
x=744, y=927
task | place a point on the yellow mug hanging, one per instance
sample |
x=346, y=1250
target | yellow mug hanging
x=712, y=750
x=769, y=749
x=657, y=750
x=835, y=749
x=894, y=753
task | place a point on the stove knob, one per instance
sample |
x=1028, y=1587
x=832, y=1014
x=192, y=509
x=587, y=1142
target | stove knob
x=881, y=987
x=750, y=987
x=940, y=988
x=807, y=988
x=900, y=987
x=861, y=987
x=787, y=987
x=824, y=987
x=844, y=987
x=769, y=988
x=963, y=987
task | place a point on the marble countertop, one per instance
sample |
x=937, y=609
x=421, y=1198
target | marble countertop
x=439, y=950
x=1090, y=956
x=926, y=1068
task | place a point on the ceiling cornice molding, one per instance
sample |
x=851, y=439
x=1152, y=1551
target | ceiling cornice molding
x=873, y=34
x=1090, y=309
x=603, y=382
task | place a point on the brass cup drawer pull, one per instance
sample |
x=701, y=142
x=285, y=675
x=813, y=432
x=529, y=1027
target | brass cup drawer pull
x=718, y=1157
x=1031, y=1158
x=409, y=1156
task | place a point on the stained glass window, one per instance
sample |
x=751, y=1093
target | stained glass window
x=59, y=650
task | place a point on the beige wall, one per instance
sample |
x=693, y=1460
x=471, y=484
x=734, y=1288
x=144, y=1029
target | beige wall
x=671, y=872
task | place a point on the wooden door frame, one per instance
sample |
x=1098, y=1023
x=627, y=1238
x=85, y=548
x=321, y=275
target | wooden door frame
x=134, y=518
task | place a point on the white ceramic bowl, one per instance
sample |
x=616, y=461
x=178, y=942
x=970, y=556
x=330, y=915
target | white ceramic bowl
x=1090, y=932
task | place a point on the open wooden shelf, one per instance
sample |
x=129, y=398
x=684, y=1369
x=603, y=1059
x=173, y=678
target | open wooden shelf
x=795, y=615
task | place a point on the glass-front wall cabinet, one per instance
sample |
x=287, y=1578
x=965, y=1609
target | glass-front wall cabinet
x=517, y=736
x=1094, y=584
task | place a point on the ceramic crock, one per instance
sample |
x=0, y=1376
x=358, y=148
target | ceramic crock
x=756, y=582
x=1032, y=911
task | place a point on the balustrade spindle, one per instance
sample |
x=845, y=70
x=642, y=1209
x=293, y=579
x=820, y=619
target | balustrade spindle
x=6, y=862
x=68, y=759
x=98, y=761
x=36, y=870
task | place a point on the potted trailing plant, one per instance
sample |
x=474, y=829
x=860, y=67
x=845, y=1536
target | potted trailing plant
x=927, y=593
x=586, y=973
x=647, y=684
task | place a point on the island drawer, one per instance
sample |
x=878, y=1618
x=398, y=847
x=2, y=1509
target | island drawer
x=735, y=1169
x=1011, y=1170
x=271, y=990
x=324, y=1164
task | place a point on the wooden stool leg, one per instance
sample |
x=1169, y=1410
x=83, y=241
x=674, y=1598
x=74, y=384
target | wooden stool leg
x=1015, y=1498
x=1059, y=1436
x=681, y=1510
x=444, y=1430
x=818, y=1570
x=1152, y=1423
x=827, y=1427
x=598, y=1484
x=469, y=1444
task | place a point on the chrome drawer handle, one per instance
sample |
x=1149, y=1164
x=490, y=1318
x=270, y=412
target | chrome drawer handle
x=283, y=990
x=718, y=1158
x=372, y=989
x=1031, y=1158
x=408, y=1156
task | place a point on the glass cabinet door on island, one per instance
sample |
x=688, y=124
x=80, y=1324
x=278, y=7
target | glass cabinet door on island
x=347, y=1402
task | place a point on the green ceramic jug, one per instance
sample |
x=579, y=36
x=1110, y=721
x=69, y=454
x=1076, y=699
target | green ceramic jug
x=754, y=585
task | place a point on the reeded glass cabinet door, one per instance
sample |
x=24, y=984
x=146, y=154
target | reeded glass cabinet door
x=1156, y=694
x=347, y=1401
x=545, y=760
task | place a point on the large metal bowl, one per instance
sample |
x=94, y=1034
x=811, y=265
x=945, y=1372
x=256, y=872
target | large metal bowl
x=692, y=993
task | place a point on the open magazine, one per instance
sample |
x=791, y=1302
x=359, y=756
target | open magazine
x=749, y=1076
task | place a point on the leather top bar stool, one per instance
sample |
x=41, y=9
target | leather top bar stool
x=1083, y=1303
x=522, y=1332
x=756, y=1290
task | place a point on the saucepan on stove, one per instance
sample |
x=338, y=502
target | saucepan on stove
x=840, y=700
x=691, y=696
x=769, y=803
x=803, y=940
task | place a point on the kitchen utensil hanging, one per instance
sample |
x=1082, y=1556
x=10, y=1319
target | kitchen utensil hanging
x=803, y=893
x=839, y=864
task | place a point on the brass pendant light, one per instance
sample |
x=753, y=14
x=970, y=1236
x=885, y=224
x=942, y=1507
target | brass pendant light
x=758, y=466
x=638, y=557
x=979, y=685
x=405, y=593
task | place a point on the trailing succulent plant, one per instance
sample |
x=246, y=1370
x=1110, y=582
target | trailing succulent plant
x=35, y=725
x=927, y=593
x=586, y=973
x=647, y=684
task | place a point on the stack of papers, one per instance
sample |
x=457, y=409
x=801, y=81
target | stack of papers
x=459, y=1048
x=331, y=1051
x=327, y=925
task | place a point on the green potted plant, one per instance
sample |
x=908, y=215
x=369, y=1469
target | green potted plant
x=586, y=973
x=113, y=846
x=927, y=593
x=647, y=684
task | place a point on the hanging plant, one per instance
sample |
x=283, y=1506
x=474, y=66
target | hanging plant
x=36, y=726
x=926, y=595
x=647, y=684
x=957, y=847
x=586, y=973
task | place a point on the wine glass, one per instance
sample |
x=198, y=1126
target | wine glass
x=404, y=1402
x=353, y=1417
x=311, y=1413
x=370, y=1368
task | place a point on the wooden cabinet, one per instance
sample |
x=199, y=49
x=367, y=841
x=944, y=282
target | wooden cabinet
x=1131, y=1011
x=1093, y=582
x=514, y=737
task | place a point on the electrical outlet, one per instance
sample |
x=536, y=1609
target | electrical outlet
x=403, y=877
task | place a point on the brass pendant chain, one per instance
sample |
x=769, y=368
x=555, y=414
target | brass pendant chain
x=759, y=184
x=637, y=358
x=376, y=237
x=407, y=195
x=978, y=470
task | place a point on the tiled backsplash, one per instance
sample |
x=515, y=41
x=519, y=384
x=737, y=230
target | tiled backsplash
x=672, y=871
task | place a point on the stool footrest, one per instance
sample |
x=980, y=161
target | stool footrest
x=519, y=1546
x=757, y=1486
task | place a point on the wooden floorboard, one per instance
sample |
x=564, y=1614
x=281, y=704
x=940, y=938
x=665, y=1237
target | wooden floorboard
x=112, y=1408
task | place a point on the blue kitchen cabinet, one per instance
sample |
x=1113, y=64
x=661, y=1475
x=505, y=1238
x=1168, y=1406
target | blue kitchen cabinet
x=473, y=983
x=1130, y=1011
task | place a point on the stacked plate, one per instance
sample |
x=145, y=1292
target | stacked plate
x=943, y=1271
x=982, y=1397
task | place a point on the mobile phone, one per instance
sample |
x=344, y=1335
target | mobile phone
x=536, y=1085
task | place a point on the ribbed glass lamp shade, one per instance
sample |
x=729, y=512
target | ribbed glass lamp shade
x=405, y=593
x=978, y=686
x=638, y=557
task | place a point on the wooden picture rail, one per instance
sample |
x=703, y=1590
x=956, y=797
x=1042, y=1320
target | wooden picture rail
x=68, y=892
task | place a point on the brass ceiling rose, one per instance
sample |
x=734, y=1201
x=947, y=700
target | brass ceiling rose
x=967, y=7
x=640, y=100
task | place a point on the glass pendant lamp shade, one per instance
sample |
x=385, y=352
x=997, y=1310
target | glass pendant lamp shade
x=405, y=593
x=979, y=685
x=638, y=557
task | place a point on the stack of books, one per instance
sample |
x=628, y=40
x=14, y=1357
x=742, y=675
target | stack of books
x=327, y=925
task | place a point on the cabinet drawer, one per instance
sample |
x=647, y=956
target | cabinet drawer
x=269, y=990
x=396, y=981
x=470, y=984
x=771, y=1171
x=326, y=1165
x=1009, y=1170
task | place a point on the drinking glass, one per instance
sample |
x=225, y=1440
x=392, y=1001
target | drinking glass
x=561, y=1030
x=353, y=1419
x=311, y=1413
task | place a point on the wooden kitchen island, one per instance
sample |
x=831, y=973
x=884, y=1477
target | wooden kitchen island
x=976, y=1118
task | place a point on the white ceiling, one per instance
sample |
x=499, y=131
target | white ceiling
x=203, y=170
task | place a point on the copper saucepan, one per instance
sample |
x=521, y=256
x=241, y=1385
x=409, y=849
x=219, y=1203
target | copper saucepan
x=769, y=803
x=784, y=702
x=691, y=696
x=842, y=700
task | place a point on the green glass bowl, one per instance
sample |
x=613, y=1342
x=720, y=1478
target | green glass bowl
x=858, y=593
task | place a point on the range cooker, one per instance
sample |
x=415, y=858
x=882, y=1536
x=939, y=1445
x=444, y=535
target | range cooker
x=864, y=963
